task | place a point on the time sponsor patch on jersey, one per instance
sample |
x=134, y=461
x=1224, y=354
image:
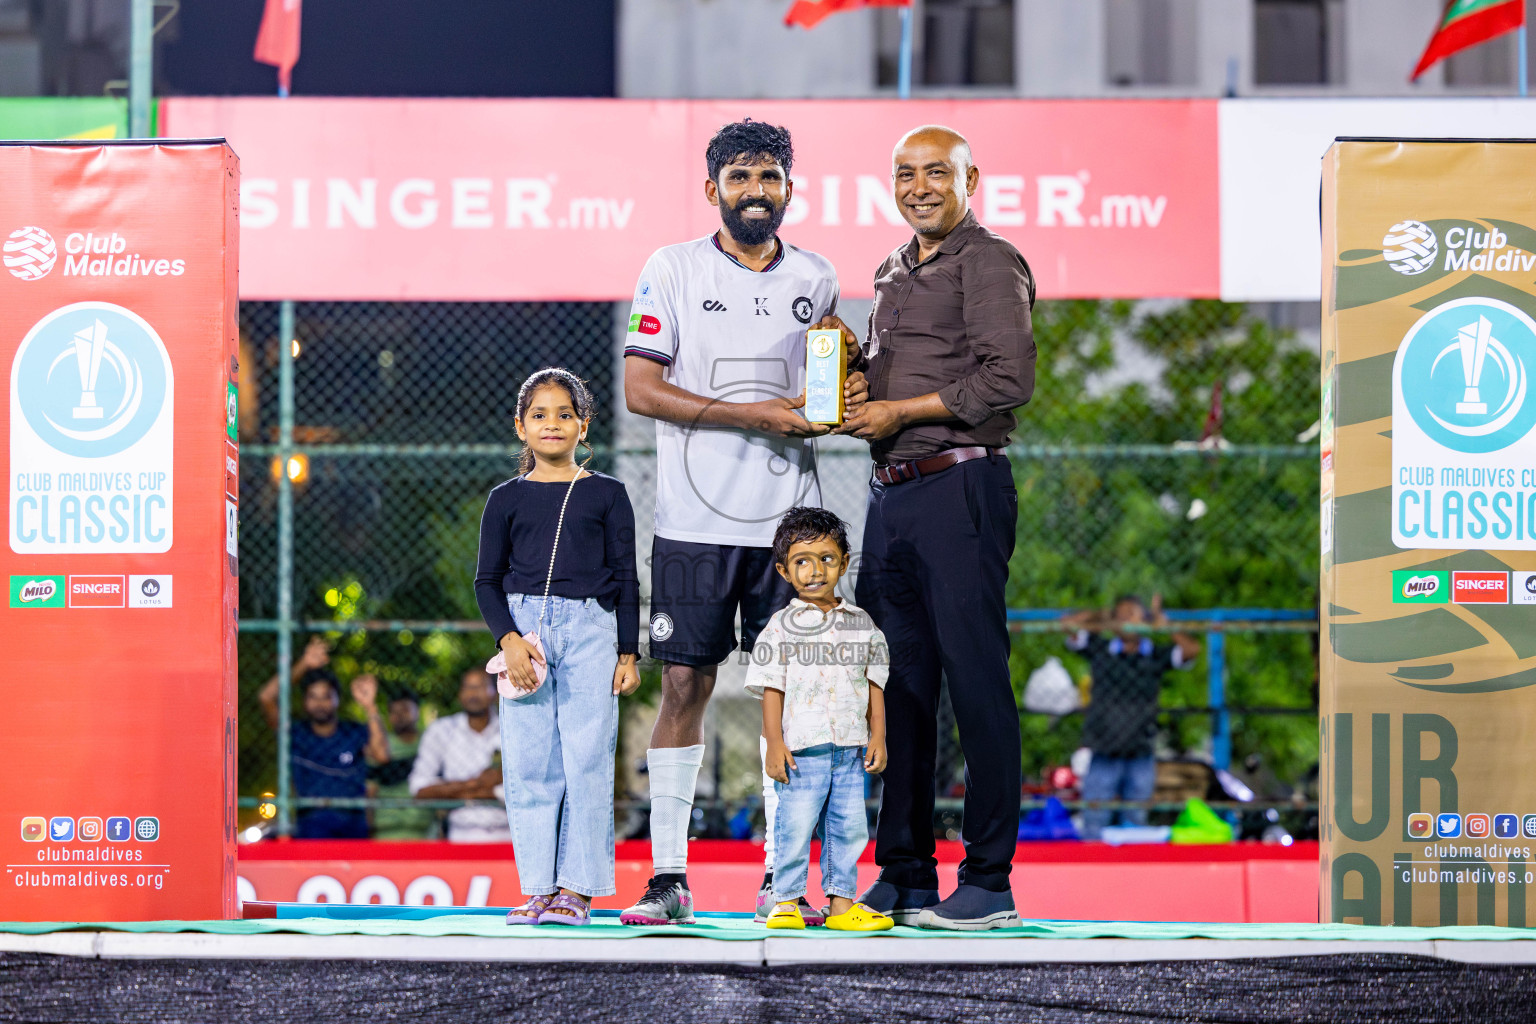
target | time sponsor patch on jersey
x=640, y=323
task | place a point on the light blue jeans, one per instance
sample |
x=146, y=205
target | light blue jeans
x=826, y=788
x=1117, y=778
x=557, y=751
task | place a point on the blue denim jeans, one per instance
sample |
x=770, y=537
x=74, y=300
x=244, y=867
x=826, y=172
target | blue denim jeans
x=557, y=751
x=826, y=788
x=1117, y=778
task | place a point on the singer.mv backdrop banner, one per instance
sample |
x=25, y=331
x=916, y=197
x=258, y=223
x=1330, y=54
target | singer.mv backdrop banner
x=118, y=328
x=564, y=199
x=1428, y=441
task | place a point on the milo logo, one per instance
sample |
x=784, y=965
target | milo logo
x=1410, y=586
x=37, y=591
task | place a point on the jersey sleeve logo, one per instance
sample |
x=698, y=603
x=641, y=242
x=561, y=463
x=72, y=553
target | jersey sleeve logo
x=641, y=324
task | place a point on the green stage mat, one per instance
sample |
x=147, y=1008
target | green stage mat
x=732, y=930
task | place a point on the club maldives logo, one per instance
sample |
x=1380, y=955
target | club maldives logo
x=30, y=253
x=1465, y=374
x=91, y=379
x=1410, y=247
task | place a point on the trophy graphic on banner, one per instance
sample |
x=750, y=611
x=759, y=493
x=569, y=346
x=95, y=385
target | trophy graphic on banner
x=1473, y=340
x=90, y=346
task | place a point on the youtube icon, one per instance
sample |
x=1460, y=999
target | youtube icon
x=1480, y=587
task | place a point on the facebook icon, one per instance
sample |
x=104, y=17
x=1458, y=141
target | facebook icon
x=119, y=830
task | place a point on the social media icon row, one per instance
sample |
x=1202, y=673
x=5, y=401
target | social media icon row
x=90, y=830
x=1471, y=826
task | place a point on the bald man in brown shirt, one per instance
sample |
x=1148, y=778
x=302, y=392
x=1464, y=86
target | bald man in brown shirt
x=949, y=355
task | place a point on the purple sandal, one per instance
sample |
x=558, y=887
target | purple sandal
x=580, y=911
x=529, y=912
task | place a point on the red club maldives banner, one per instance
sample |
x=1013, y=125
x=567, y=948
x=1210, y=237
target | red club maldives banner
x=117, y=328
x=564, y=199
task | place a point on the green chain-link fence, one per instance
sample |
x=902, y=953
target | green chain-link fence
x=1170, y=450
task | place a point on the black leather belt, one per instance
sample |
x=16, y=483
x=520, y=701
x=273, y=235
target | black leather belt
x=905, y=472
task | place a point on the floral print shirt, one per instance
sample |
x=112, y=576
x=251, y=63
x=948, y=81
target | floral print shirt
x=823, y=663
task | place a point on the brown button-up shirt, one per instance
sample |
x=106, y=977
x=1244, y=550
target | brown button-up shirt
x=956, y=323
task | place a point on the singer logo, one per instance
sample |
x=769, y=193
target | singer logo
x=97, y=592
x=1480, y=587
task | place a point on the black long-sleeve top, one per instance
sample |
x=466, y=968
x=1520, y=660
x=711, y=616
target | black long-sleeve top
x=596, y=557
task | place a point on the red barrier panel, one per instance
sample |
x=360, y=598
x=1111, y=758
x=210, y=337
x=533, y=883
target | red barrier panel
x=1074, y=881
x=118, y=324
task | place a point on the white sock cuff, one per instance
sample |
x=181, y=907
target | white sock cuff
x=692, y=756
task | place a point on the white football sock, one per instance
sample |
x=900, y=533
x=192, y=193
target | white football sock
x=770, y=808
x=674, y=771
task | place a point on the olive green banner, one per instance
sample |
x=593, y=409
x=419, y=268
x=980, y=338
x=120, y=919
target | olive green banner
x=1428, y=698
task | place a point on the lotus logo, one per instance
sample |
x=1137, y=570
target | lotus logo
x=1420, y=586
x=37, y=590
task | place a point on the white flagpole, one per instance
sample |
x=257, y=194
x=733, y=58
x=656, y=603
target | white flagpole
x=1524, y=31
x=904, y=62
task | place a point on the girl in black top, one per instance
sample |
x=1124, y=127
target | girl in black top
x=556, y=584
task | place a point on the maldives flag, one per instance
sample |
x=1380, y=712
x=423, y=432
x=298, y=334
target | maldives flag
x=809, y=13
x=277, y=42
x=1467, y=23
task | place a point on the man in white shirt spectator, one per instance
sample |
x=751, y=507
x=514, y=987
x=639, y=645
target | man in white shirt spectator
x=458, y=760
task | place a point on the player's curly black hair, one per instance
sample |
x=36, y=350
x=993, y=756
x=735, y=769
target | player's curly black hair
x=802, y=524
x=750, y=139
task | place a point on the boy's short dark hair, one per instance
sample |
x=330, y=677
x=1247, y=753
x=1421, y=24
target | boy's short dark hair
x=802, y=524
x=750, y=139
x=320, y=675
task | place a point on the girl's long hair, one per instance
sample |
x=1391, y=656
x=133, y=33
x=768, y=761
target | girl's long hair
x=574, y=386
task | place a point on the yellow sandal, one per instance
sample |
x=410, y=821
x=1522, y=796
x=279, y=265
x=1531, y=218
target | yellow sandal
x=786, y=915
x=860, y=918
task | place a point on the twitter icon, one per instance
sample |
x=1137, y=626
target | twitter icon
x=61, y=830
x=1448, y=826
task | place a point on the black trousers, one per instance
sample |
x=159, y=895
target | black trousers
x=933, y=574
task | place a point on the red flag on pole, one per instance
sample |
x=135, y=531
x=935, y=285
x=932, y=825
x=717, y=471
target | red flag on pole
x=1466, y=23
x=277, y=43
x=808, y=13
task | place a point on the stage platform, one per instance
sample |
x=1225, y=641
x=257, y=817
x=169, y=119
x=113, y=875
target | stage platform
x=422, y=964
x=423, y=933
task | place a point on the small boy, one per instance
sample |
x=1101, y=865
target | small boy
x=819, y=668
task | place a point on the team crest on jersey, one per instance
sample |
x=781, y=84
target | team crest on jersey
x=802, y=309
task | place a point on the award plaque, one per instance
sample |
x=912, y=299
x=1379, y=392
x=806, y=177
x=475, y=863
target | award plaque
x=825, y=369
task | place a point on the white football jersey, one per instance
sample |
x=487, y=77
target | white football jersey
x=738, y=335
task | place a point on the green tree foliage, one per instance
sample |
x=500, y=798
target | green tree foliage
x=1204, y=529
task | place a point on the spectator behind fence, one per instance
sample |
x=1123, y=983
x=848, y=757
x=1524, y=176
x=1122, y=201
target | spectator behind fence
x=329, y=757
x=1120, y=726
x=460, y=759
x=391, y=779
